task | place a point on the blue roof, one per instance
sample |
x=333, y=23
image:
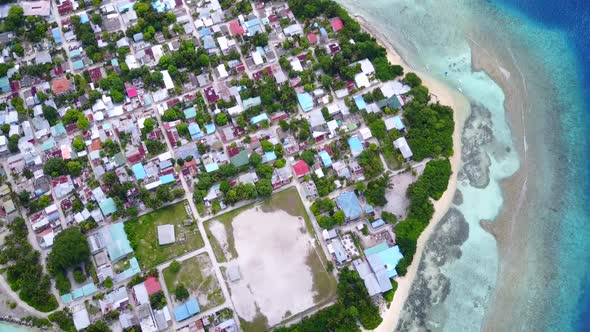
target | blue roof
x=118, y=245
x=269, y=156
x=381, y=256
x=56, y=33
x=186, y=310
x=130, y=272
x=108, y=206
x=84, y=18
x=74, y=53
x=252, y=22
x=360, y=102
x=212, y=167
x=259, y=118
x=78, y=64
x=138, y=171
x=48, y=144
x=195, y=130
x=59, y=129
x=377, y=223
x=369, y=208
x=355, y=145
x=4, y=84
x=190, y=112
x=210, y=128
x=204, y=32
x=168, y=178
x=305, y=101
x=323, y=32
x=397, y=121
x=115, y=62
x=67, y=298
x=208, y=42
x=160, y=6
x=326, y=159
x=349, y=204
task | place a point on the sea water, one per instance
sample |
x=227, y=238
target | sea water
x=549, y=45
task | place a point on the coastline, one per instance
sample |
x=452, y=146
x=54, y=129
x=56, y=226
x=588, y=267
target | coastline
x=460, y=105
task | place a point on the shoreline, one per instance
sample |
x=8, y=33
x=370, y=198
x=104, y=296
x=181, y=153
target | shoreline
x=460, y=105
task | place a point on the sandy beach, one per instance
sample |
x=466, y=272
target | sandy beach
x=460, y=105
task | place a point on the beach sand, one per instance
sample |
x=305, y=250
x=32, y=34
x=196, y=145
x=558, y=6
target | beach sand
x=460, y=105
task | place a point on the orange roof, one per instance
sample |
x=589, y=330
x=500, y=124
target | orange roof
x=60, y=85
x=96, y=145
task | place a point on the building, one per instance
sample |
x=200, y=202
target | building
x=114, y=239
x=402, y=145
x=336, y=24
x=81, y=319
x=349, y=204
x=166, y=234
x=379, y=267
x=326, y=159
x=60, y=86
x=356, y=147
x=186, y=310
x=301, y=168
x=305, y=101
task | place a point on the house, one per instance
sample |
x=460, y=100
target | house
x=394, y=122
x=367, y=67
x=36, y=8
x=356, y=147
x=336, y=249
x=114, y=300
x=281, y=177
x=293, y=29
x=152, y=285
x=365, y=133
x=235, y=28
x=166, y=234
x=402, y=145
x=301, y=168
x=325, y=157
x=114, y=239
x=239, y=159
x=81, y=318
x=107, y=206
x=336, y=24
x=379, y=267
x=360, y=102
x=60, y=86
x=362, y=80
x=140, y=294
x=305, y=101
x=186, y=310
x=349, y=203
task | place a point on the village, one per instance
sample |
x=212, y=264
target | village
x=187, y=165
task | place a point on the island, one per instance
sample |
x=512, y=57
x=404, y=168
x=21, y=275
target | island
x=215, y=165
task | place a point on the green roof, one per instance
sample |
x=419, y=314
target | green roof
x=392, y=102
x=240, y=159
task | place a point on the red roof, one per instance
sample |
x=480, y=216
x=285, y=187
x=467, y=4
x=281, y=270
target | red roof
x=301, y=168
x=60, y=85
x=95, y=74
x=211, y=95
x=312, y=38
x=152, y=285
x=131, y=90
x=336, y=24
x=236, y=28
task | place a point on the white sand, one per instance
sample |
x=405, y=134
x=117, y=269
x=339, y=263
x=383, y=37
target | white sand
x=460, y=105
x=272, y=261
x=218, y=230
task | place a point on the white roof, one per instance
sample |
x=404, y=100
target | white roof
x=222, y=43
x=168, y=83
x=235, y=110
x=403, y=147
x=257, y=58
x=165, y=156
x=296, y=65
x=141, y=293
x=365, y=133
x=166, y=234
x=391, y=88
x=81, y=319
x=367, y=66
x=222, y=71
x=361, y=80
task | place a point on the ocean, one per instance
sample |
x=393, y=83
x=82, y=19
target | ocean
x=516, y=251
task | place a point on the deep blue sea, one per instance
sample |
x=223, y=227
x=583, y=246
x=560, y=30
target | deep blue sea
x=573, y=18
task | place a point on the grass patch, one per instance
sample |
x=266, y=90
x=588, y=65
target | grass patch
x=259, y=323
x=197, y=275
x=143, y=235
x=324, y=284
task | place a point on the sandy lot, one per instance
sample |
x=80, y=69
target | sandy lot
x=276, y=281
x=397, y=201
x=218, y=230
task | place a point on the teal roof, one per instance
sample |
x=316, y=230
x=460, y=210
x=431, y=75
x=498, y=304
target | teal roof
x=326, y=159
x=59, y=129
x=251, y=102
x=355, y=145
x=305, y=101
x=138, y=171
x=190, y=113
x=118, y=246
x=79, y=64
x=67, y=298
x=48, y=144
x=240, y=159
x=85, y=290
x=376, y=249
x=165, y=179
x=210, y=128
x=4, y=84
x=383, y=258
x=108, y=206
x=259, y=118
x=212, y=167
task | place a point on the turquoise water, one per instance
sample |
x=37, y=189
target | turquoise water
x=536, y=278
x=6, y=327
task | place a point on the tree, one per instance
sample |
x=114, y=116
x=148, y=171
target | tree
x=18, y=49
x=148, y=125
x=360, y=187
x=308, y=156
x=70, y=248
x=50, y=114
x=260, y=39
x=74, y=168
x=412, y=80
x=284, y=125
x=326, y=222
x=55, y=167
x=175, y=266
x=255, y=159
x=13, y=143
x=71, y=116
x=264, y=188
x=267, y=146
x=181, y=293
x=15, y=18
x=78, y=144
x=264, y=171
x=221, y=119
x=339, y=217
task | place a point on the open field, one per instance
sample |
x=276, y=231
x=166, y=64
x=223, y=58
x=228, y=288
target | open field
x=274, y=247
x=143, y=235
x=397, y=200
x=197, y=275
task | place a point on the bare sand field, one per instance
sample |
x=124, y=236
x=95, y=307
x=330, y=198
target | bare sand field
x=397, y=201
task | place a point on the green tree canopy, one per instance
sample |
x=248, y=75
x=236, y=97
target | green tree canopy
x=70, y=248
